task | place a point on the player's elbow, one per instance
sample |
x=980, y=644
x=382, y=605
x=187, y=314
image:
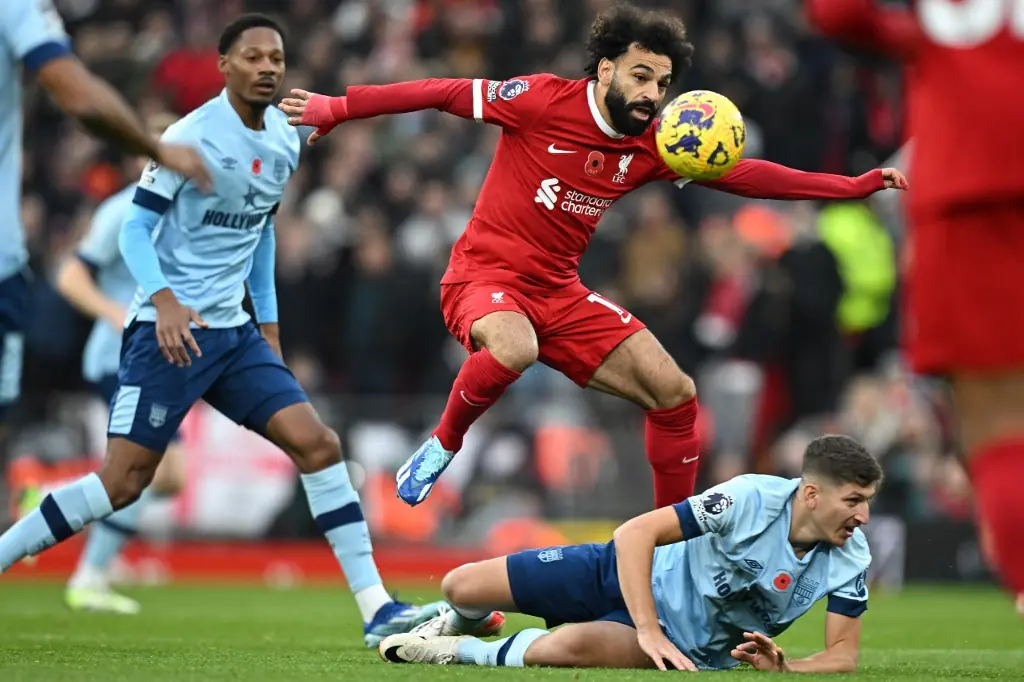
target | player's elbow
x=72, y=277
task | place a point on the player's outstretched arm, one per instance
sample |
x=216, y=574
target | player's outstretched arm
x=90, y=100
x=891, y=30
x=766, y=180
x=842, y=650
x=511, y=104
x=262, y=287
x=635, y=541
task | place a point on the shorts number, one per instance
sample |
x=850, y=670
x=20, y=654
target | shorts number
x=601, y=300
x=969, y=23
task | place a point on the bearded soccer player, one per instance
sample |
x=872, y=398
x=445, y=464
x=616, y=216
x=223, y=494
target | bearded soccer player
x=966, y=227
x=511, y=293
x=704, y=584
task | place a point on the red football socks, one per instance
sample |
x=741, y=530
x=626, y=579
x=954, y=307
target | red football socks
x=996, y=471
x=673, y=449
x=481, y=381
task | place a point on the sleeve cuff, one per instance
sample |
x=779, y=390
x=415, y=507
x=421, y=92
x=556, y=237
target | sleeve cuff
x=687, y=521
x=852, y=608
x=151, y=201
x=40, y=55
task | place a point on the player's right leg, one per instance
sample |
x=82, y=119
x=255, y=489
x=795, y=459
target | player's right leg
x=152, y=398
x=600, y=644
x=491, y=323
x=89, y=589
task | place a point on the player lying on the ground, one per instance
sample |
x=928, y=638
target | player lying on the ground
x=512, y=293
x=188, y=337
x=703, y=584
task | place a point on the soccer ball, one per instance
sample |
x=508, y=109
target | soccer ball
x=701, y=135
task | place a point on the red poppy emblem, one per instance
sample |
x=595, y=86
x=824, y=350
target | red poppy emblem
x=595, y=163
x=782, y=581
x=257, y=166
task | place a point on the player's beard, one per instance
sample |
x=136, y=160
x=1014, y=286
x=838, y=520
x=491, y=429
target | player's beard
x=619, y=109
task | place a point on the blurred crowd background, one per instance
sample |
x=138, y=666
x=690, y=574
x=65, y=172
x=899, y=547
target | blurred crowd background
x=786, y=313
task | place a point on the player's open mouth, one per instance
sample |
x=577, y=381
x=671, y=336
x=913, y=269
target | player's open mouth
x=642, y=113
x=265, y=86
x=847, y=532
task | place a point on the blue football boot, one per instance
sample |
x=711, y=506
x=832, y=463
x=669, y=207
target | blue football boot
x=418, y=475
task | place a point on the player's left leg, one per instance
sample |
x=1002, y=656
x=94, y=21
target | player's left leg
x=599, y=345
x=258, y=391
x=601, y=644
x=990, y=410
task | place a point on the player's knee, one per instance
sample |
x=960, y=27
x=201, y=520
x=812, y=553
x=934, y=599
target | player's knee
x=509, y=337
x=672, y=389
x=123, y=490
x=321, y=450
x=456, y=587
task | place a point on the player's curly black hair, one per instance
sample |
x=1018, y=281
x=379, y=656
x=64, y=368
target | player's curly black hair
x=229, y=36
x=658, y=32
x=842, y=460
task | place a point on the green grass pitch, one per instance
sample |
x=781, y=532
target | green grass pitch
x=313, y=633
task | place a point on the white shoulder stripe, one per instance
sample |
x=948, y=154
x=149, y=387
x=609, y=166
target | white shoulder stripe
x=478, y=100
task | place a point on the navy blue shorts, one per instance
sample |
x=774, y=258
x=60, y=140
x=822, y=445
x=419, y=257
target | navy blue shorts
x=238, y=375
x=106, y=389
x=570, y=584
x=14, y=299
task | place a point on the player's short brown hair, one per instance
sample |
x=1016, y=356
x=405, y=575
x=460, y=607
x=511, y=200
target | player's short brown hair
x=615, y=30
x=841, y=460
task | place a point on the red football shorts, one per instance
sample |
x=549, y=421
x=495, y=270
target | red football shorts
x=576, y=332
x=965, y=294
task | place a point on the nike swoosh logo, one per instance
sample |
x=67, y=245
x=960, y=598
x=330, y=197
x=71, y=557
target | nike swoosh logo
x=552, y=149
x=468, y=401
x=626, y=318
x=689, y=460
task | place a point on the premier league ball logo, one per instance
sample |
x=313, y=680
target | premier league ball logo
x=511, y=89
x=716, y=503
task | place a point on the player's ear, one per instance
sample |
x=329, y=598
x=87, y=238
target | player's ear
x=811, y=493
x=605, y=71
x=222, y=65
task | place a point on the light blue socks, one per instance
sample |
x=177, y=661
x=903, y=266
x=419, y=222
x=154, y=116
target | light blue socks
x=509, y=651
x=62, y=514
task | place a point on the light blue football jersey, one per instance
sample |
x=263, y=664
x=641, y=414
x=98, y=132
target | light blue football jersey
x=737, y=571
x=31, y=34
x=205, y=242
x=99, y=249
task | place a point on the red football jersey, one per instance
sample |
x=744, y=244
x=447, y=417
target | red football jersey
x=964, y=60
x=558, y=167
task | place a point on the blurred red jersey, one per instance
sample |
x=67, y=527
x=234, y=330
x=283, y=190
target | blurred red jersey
x=964, y=60
x=558, y=167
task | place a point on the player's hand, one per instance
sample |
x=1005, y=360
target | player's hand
x=309, y=109
x=894, y=179
x=188, y=162
x=761, y=652
x=271, y=332
x=173, y=330
x=656, y=645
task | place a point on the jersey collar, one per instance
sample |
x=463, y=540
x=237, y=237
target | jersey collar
x=596, y=113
